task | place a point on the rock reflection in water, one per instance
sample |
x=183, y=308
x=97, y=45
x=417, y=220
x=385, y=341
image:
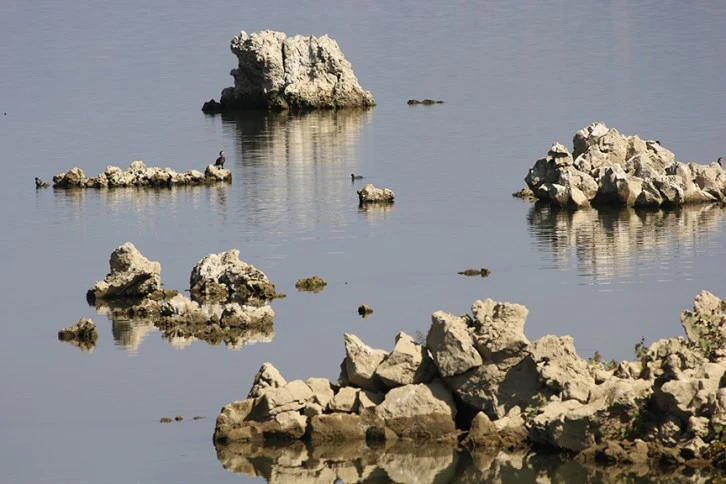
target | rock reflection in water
x=604, y=244
x=293, y=170
x=299, y=462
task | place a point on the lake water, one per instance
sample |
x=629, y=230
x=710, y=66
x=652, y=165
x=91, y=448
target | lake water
x=96, y=83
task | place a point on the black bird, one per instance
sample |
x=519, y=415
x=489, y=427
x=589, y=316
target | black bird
x=353, y=176
x=220, y=161
x=40, y=183
x=720, y=158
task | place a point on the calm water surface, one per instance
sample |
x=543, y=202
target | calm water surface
x=93, y=83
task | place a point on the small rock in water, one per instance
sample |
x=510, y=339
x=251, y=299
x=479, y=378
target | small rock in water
x=178, y=418
x=483, y=272
x=426, y=102
x=311, y=284
x=198, y=417
x=165, y=420
x=364, y=310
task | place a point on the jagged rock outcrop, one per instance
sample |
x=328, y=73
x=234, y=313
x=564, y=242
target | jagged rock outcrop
x=82, y=334
x=224, y=276
x=371, y=194
x=139, y=175
x=278, y=72
x=667, y=407
x=132, y=292
x=609, y=168
x=132, y=276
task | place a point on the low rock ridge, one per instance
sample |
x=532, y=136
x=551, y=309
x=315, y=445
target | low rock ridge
x=278, y=72
x=480, y=381
x=608, y=168
x=139, y=175
x=228, y=298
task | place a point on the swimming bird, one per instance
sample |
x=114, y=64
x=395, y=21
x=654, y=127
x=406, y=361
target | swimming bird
x=40, y=183
x=353, y=176
x=220, y=161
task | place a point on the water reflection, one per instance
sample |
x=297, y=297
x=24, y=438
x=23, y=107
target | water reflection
x=626, y=244
x=293, y=170
x=428, y=463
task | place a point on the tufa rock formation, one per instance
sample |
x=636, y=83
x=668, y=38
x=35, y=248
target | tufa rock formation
x=139, y=175
x=371, y=194
x=82, y=334
x=608, y=168
x=480, y=375
x=311, y=284
x=279, y=72
x=132, y=292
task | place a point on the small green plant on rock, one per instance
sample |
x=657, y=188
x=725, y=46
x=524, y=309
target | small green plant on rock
x=641, y=351
x=534, y=408
x=711, y=339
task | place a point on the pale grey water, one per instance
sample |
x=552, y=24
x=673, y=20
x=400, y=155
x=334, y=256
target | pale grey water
x=93, y=83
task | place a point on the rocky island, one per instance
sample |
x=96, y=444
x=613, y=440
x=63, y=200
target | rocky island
x=479, y=381
x=139, y=175
x=608, y=168
x=278, y=72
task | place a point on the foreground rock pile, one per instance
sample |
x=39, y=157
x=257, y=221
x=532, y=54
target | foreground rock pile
x=132, y=291
x=608, y=168
x=481, y=374
x=139, y=175
x=279, y=72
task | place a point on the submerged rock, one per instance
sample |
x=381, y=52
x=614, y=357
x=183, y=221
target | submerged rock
x=426, y=102
x=608, y=168
x=82, y=334
x=311, y=284
x=483, y=272
x=371, y=194
x=275, y=71
x=139, y=175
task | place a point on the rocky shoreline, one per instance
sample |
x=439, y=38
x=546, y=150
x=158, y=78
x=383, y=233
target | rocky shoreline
x=479, y=382
x=139, y=175
x=608, y=168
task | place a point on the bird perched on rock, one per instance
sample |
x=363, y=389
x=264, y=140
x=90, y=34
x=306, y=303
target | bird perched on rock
x=353, y=176
x=40, y=183
x=720, y=159
x=220, y=161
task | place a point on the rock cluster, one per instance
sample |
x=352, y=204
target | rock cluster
x=606, y=167
x=132, y=291
x=480, y=373
x=82, y=334
x=139, y=175
x=279, y=72
x=371, y=194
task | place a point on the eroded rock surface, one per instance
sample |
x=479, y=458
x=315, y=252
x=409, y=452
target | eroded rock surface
x=278, y=72
x=139, y=175
x=371, y=194
x=224, y=276
x=608, y=168
x=487, y=378
x=82, y=334
x=132, y=276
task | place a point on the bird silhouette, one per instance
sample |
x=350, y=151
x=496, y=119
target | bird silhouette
x=220, y=161
x=353, y=176
x=40, y=183
x=719, y=161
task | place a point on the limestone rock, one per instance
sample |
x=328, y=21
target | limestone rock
x=224, y=275
x=408, y=363
x=483, y=433
x=336, y=427
x=423, y=411
x=499, y=331
x=279, y=72
x=73, y=178
x=322, y=390
x=289, y=397
x=132, y=276
x=268, y=377
x=560, y=369
x=450, y=345
x=345, y=400
x=361, y=362
x=371, y=194
x=82, y=334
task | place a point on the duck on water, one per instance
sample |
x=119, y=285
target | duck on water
x=353, y=176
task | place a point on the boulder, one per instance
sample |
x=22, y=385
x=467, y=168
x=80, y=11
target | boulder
x=73, y=178
x=371, y=194
x=560, y=369
x=132, y=276
x=268, y=377
x=224, y=275
x=499, y=331
x=82, y=334
x=419, y=412
x=408, y=363
x=279, y=72
x=451, y=345
x=483, y=434
x=360, y=364
x=289, y=397
x=345, y=400
x=336, y=427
